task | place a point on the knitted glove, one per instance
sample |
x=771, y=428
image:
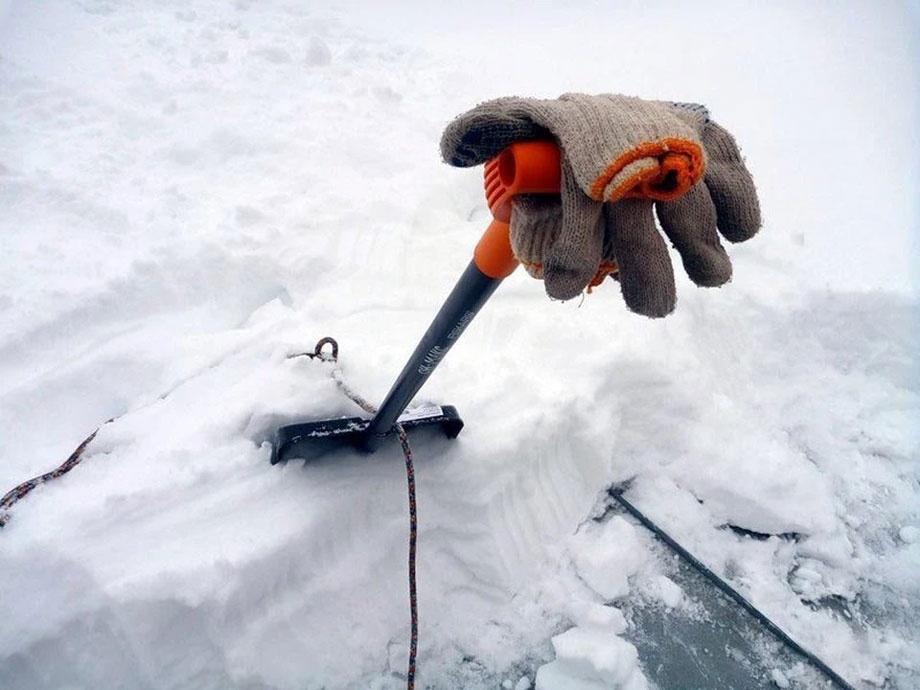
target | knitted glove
x=631, y=152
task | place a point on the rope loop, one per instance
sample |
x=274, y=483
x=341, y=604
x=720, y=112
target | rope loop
x=318, y=350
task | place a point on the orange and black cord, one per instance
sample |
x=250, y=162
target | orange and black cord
x=413, y=550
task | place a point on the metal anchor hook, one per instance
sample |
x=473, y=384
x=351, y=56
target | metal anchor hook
x=318, y=350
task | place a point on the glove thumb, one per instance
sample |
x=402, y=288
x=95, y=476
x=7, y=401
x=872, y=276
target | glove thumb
x=481, y=133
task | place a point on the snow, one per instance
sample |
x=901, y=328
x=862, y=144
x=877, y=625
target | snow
x=192, y=192
x=909, y=534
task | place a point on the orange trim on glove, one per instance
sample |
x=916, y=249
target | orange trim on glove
x=681, y=164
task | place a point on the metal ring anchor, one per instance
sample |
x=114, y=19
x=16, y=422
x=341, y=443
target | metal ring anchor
x=318, y=350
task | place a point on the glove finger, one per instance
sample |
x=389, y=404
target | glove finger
x=690, y=224
x=571, y=260
x=535, y=223
x=483, y=132
x=731, y=185
x=645, y=271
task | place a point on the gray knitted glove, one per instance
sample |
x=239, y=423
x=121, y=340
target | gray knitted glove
x=620, y=154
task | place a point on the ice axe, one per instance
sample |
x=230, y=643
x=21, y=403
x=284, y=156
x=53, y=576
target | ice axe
x=526, y=167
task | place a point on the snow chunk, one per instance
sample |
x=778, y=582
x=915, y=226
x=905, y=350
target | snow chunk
x=779, y=678
x=590, y=614
x=589, y=659
x=667, y=591
x=606, y=555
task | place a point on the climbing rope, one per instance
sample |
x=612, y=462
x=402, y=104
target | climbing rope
x=413, y=540
x=371, y=409
x=14, y=495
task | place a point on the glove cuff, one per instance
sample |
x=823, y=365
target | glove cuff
x=535, y=223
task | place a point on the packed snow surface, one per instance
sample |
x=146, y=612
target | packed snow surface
x=191, y=192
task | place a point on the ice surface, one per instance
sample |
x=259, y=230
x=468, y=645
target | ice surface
x=192, y=191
